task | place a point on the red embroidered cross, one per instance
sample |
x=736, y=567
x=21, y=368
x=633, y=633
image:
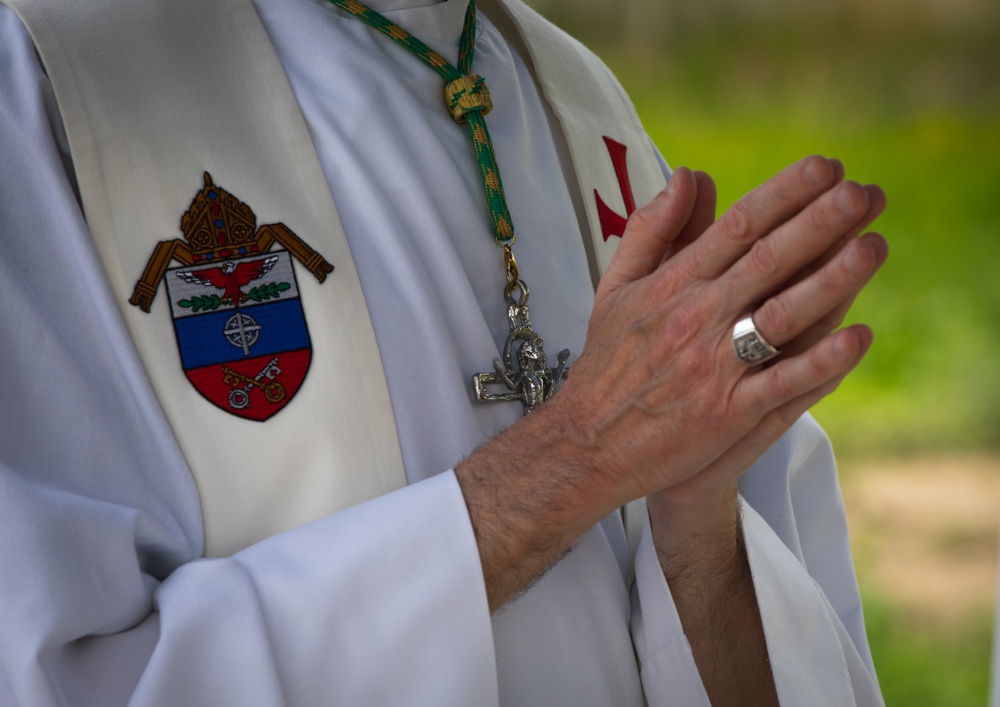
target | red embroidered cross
x=613, y=224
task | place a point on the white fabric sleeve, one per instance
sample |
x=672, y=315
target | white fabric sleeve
x=813, y=659
x=666, y=662
x=103, y=598
x=379, y=604
x=797, y=543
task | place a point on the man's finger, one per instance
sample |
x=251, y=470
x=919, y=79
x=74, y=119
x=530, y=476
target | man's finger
x=818, y=331
x=790, y=378
x=651, y=229
x=732, y=463
x=876, y=205
x=835, y=317
x=702, y=215
x=775, y=259
x=757, y=214
x=788, y=314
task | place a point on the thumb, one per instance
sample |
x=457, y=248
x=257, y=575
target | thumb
x=650, y=231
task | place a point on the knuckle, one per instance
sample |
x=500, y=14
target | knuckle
x=780, y=384
x=775, y=424
x=818, y=219
x=832, y=282
x=822, y=363
x=763, y=258
x=692, y=314
x=678, y=330
x=776, y=320
x=640, y=219
x=691, y=363
x=715, y=299
x=736, y=223
x=646, y=216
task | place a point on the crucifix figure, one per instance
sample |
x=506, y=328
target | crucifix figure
x=531, y=381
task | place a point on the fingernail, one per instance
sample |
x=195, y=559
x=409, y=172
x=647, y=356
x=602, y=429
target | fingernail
x=672, y=184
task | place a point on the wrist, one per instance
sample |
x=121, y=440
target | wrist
x=697, y=539
x=531, y=493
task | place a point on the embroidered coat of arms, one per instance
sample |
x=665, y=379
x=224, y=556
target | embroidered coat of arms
x=235, y=304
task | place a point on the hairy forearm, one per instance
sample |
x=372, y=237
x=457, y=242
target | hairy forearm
x=706, y=567
x=530, y=496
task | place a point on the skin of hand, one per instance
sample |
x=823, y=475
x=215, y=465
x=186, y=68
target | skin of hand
x=657, y=404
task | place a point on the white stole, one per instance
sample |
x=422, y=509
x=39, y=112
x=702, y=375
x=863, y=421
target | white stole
x=152, y=94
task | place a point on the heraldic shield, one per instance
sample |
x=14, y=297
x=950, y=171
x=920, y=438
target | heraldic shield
x=241, y=332
x=235, y=303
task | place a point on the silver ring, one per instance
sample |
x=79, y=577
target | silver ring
x=751, y=348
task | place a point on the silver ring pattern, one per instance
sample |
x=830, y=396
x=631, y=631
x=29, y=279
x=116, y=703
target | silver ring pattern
x=751, y=348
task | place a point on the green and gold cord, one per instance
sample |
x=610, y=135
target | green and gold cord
x=466, y=97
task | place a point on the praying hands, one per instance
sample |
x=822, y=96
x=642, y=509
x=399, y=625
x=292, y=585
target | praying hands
x=659, y=405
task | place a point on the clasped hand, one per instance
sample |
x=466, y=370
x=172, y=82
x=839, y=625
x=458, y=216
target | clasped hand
x=657, y=404
x=658, y=395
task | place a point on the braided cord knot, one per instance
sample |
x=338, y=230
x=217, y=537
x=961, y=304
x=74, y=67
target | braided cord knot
x=467, y=94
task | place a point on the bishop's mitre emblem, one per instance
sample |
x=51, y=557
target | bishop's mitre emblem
x=235, y=303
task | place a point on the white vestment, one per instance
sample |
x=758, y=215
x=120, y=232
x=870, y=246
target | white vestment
x=105, y=597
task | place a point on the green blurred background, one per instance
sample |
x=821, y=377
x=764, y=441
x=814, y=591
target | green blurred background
x=907, y=94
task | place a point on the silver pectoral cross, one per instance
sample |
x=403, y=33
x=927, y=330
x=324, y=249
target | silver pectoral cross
x=522, y=374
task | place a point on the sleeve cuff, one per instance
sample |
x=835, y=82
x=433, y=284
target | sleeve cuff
x=666, y=662
x=383, y=603
x=812, y=657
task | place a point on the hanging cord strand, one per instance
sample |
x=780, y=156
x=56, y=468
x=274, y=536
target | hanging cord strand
x=466, y=97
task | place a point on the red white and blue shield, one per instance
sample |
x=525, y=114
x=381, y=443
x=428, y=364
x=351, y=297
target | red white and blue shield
x=241, y=331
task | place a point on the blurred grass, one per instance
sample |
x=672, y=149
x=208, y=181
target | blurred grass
x=928, y=666
x=907, y=100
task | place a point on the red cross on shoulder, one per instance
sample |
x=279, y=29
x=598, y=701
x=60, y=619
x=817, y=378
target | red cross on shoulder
x=612, y=223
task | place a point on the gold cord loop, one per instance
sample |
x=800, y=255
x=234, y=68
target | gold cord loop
x=466, y=94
